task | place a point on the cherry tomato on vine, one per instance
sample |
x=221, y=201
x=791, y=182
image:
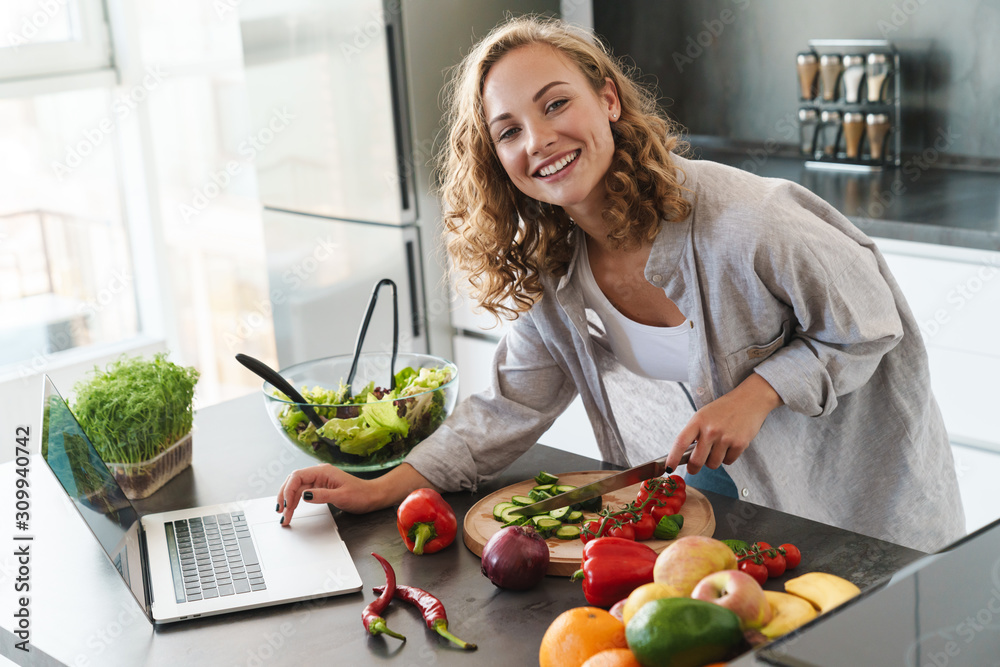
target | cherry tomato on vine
x=792, y=556
x=623, y=530
x=681, y=484
x=754, y=569
x=644, y=526
x=774, y=561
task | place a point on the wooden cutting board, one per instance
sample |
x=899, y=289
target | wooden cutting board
x=479, y=525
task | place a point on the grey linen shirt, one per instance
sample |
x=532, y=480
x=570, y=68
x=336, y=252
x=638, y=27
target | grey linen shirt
x=776, y=282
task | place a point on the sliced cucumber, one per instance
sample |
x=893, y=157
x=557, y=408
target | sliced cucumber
x=568, y=532
x=499, y=508
x=559, y=513
x=518, y=520
x=543, y=487
x=546, y=526
x=522, y=500
x=574, y=516
x=563, y=488
x=537, y=495
x=592, y=505
x=546, y=478
x=509, y=514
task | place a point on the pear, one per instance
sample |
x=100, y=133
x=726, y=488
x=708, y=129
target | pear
x=787, y=613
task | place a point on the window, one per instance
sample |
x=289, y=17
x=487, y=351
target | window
x=49, y=37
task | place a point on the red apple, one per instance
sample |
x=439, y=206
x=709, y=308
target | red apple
x=689, y=559
x=739, y=593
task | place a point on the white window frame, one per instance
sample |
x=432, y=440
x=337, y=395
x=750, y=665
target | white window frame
x=90, y=50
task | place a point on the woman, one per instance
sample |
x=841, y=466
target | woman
x=569, y=207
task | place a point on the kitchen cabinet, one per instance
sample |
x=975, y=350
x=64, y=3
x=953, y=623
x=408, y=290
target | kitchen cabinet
x=954, y=294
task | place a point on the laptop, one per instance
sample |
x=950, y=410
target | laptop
x=201, y=561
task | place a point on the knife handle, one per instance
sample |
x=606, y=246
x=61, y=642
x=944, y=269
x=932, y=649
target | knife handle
x=685, y=457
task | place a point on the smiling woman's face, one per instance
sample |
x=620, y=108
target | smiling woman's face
x=551, y=131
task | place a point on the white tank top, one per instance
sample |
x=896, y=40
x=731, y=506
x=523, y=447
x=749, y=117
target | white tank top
x=660, y=353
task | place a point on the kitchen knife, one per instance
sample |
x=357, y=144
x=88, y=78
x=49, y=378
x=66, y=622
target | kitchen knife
x=639, y=473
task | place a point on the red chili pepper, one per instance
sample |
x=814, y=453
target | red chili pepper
x=371, y=616
x=426, y=522
x=432, y=610
x=612, y=568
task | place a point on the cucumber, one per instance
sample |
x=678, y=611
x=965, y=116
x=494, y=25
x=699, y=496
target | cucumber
x=537, y=495
x=509, y=514
x=522, y=500
x=499, y=508
x=574, y=516
x=559, y=513
x=563, y=488
x=546, y=478
x=568, y=532
x=543, y=487
x=592, y=505
x=518, y=520
x=546, y=526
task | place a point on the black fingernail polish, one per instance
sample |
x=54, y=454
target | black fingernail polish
x=284, y=503
x=282, y=520
x=277, y=506
x=308, y=495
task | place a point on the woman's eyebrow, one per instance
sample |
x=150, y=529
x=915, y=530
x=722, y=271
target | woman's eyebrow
x=544, y=89
x=538, y=95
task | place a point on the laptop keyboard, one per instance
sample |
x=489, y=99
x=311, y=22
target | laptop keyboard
x=213, y=556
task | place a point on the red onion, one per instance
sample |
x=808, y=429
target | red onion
x=515, y=558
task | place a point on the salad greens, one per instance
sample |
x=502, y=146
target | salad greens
x=374, y=422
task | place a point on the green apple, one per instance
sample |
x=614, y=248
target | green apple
x=689, y=560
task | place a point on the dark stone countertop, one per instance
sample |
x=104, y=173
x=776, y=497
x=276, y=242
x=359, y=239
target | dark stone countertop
x=84, y=615
x=920, y=200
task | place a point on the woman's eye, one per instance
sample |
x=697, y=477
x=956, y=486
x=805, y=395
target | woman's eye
x=556, y=105
x=507, y=134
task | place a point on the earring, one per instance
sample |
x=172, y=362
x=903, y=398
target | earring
x=614, y=115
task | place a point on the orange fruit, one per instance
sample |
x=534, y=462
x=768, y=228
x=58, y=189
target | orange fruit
x=612, y=657
x=579, y=633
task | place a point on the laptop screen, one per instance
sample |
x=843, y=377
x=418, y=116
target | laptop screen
x=93, y=489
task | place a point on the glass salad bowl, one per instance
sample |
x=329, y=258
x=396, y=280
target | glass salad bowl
x=373, y=428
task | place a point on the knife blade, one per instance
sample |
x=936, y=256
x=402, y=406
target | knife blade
x=639, y=473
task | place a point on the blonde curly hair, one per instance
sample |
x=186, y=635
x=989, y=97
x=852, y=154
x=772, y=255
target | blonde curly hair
x=501, y=240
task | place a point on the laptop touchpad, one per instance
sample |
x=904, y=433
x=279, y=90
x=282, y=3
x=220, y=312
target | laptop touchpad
x=308, y=538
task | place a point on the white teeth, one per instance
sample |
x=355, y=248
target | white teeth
x=558, y=166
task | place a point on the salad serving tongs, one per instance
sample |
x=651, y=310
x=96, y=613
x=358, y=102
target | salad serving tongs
x=363, y=331
x=280, y=383
x=275, y=378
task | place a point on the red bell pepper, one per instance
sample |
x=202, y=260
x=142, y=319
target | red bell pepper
x=426, y=522
x=612, y=568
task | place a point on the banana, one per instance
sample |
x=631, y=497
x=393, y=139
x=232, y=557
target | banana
x=824, y=591
x=788, y=612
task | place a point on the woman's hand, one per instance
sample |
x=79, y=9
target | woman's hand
x=725, y=427
x=329, y=484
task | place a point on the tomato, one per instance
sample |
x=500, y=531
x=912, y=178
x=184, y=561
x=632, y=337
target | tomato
x=679, y=481
x=651, y=487
x=625, y=531
x=792, y=556
x=591, y=530
x=644, y=526
x=774, y=561
x=755, y=570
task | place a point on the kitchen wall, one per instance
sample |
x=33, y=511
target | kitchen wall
x=727, y=67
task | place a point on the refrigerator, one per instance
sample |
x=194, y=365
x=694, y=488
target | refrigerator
x=344, y=101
